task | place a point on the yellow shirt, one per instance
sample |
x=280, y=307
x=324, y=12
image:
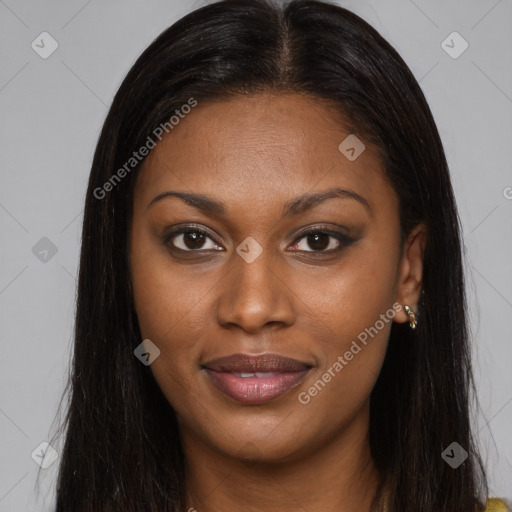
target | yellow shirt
x=496, y=505
x=491, y=505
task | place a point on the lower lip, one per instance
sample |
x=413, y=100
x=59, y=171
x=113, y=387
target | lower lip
x=255, y=390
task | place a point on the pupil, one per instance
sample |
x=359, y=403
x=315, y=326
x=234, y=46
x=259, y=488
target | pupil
x=313, y=241
x=196, y=239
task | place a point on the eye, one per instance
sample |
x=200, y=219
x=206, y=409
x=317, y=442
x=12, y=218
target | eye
x=190, y=239
x=321, y=240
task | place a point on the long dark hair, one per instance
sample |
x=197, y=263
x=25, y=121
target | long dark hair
x=122, y=449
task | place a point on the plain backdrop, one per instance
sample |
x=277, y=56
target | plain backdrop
x=51, y=113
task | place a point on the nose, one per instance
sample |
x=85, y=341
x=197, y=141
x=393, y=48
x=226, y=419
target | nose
x=256, y=295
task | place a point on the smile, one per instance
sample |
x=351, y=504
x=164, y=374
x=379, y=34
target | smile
x=255, y=380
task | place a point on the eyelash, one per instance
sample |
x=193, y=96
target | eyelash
x=344, y=240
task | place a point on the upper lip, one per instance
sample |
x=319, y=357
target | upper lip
x=252, y=363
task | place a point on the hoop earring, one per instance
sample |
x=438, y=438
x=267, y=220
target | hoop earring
x=411, y=315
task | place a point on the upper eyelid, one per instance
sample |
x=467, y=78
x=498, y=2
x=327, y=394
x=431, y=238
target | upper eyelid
x=182, y=230
x=312, y=229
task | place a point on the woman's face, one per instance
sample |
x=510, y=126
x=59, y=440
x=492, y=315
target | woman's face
x=256, y=284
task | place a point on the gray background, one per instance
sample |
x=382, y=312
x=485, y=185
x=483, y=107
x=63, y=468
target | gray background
x=51, y=114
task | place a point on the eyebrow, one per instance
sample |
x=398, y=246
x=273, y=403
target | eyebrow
x=292, y=207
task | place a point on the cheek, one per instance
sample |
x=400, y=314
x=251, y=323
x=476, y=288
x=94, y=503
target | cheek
x=351, y=359
x=351, y=296
x=166, y=295
x=172, y=325
x=354, y=309
x=171, y=305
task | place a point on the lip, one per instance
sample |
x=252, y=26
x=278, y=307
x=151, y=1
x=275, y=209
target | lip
x=251, y=379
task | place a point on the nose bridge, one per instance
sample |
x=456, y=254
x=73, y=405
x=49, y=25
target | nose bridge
x=253, y=293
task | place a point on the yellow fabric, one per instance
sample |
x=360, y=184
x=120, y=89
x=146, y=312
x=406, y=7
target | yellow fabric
x=496, y=505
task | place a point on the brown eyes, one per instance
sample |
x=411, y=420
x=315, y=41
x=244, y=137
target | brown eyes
x=190, y=239
x=195, y=239
x=321, y=241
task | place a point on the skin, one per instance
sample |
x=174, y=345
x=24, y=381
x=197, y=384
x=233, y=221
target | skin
x=254, y=153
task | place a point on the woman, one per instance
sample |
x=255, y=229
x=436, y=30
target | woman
x=271, y=310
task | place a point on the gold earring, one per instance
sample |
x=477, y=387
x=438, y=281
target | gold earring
x=411, y=315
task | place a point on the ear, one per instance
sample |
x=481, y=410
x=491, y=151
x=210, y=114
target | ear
x=410, y=272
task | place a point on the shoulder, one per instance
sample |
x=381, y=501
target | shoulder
x=497, y=505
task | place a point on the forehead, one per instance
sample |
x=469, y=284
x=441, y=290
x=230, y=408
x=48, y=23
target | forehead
x=259, y=147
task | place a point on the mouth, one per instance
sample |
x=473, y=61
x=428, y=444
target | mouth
x=250, y=379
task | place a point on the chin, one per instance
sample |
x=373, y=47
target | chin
x=268, y=439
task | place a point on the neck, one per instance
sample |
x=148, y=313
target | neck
x=338, y=476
